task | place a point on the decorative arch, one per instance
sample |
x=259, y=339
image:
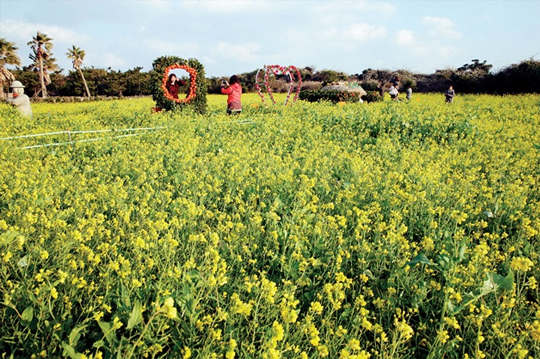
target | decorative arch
x=196, y=96
x=275, y=70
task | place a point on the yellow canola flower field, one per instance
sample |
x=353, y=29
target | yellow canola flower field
x=383, y=230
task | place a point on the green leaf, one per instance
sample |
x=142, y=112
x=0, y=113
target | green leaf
x=444, y=261
x=451, y=307
x=493, y=283
x=125, y=296
x=8, y=237
x=107, y=331
x=508, y=282
x=497, y=281
x=23, y=262
x=136, y=315
x=75, y=335
x=421, y=258
x=28, y=314
x=462, y=249
x=69, y=351
x=369, y=274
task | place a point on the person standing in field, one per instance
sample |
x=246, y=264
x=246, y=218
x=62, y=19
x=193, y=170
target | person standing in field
x=408, y=92
x=173, y=85
x=234, y=91
x=449, y=95
x=19, y=99
x=393, y=91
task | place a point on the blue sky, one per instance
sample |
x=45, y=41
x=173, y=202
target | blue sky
x=243, y=35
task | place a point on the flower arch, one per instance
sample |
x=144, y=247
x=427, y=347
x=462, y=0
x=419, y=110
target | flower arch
x=196, y=97
x=192, y=83
x=275, y=70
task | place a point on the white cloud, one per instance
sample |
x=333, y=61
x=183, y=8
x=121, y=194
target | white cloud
x=433, y=48
x=376, y=6
x=228, y=6
x=440, y=26
x=24, y=31
x=172, y=48
x=405, y=38
x=365, y=32
x=372, y=7
x=329, y=33
x=239, y=52
x=112, y=60
x=429, y=51
x=349, y=37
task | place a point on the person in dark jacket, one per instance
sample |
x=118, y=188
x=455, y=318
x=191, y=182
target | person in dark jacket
x=449, y=95
x=173, y=85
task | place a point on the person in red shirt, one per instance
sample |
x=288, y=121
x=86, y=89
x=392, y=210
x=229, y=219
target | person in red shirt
x=234, y=91
x=173, y=85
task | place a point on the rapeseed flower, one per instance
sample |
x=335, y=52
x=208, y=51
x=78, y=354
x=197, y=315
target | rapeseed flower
x=521, y=264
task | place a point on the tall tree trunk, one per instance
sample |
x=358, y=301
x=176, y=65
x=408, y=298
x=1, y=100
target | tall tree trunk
x=42, y=78
x=84, y=82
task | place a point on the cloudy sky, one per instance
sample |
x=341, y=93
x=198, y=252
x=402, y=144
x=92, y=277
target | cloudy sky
x=236, y=36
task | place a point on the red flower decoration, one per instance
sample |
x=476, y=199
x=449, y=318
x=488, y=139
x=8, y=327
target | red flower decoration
x=192, y=83
x=276, y=70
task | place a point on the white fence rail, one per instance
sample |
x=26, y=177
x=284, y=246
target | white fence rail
x=148, y=130
x=71, y=133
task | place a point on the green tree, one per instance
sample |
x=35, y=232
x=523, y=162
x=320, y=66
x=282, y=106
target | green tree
x=117, y=83
x=77, y=55
x=8, y=56
x=137, y=82
x=516, y=78
x=329, y=76
x=29, y=78
x=41, y=46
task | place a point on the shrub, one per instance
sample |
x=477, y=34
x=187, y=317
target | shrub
x=371, y=85
x=332, y=96
x=311, y=85
x=373, y=96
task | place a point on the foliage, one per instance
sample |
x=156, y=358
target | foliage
x=8, y=56
x=44, y=63
x=159, y=65
x=518, y=78
x=469, y=78
x=28, y=78
x=371, y=85
x=329, y=76
x=77, y=55
x=373, y=96
x=333, y=96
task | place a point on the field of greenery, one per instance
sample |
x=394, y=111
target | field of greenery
x=384, y=230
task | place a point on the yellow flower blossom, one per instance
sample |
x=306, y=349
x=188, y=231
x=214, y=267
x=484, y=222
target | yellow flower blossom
x=521, y=264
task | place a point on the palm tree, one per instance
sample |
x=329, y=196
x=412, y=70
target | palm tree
x=77, y=55
x=7, y=57
x=41, y=44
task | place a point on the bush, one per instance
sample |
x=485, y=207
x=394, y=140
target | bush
x=372, y=96
x=311, y=85
x=371, y=85
x=332, y=96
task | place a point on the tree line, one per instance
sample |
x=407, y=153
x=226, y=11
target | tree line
x=44, y=78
